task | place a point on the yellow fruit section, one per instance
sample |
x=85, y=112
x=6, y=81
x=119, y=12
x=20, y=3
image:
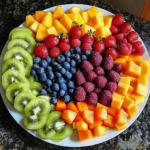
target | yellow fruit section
x=121, y=127
x=85, y=16
x=138, y=99
x=121, y=61
x=107, y=31
x=75, y=10
x=86, y=29
x=100, y=13
x=124, y=56
x=116, y=103
x=107, y=21
x=122, y=88
x=58, y=12
x=142, y=79
x=29, y=20
x=99, y=131
x=39, y=15
x=125, y=80
x=135, y=58
x=74, y=125
x=47, y=21
x=73, y=17
x=52, y=30
x=82, y=126
x=132, y=111
x=141, y=89
x=145, y=67
x=34, y=26
x=130, y=90
x=92, y=11
x=127, y=103
x=100, y=32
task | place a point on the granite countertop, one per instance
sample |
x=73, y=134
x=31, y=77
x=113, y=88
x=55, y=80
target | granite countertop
x=14, y=137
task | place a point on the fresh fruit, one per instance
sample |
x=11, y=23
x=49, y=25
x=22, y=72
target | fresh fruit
x=110, y=42
x=90, y=76
x=71, y=106
x=119, y=36
x=41, y=51
x=39, y=15
x=86, y=66
x=95, y=59
x=113, y=29
x=100, y=113
x=64, y=47
x=132, y=111
x=117, y=20
x=47, y=20
x=111, y=86
x=82, y=126
x=100, y=32
x=132, y=36
x=34, y=26
x=86, y=47
x=81, y=106
x=99, y=71
x=35, y=88
x=99, y=130
x=112, y=52
x=75, y=43
x=108, y=21
x=125, y=27
x=75, y=9
x=79, y=78
x=88, y=87
x=58, y=12
x=29, y=20
x=98, y=46
x=138, y=48
x=92, y=11
x=54, y=52
x=113, y=76
x=85, y=135
x=91, y=98
x=109, y=122
x=107, y=62
x=64, y=38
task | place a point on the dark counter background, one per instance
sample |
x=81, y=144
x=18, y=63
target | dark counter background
x=13, y=137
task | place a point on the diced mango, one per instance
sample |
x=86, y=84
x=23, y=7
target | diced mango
x=86, y=29
x=100, y=113
x=123, y=56
x=52, y=30
x=145, y=67
x=100, y=105
x=133, y=80
x=132, y=111
x=85, y=16
x=142, y=79
x=74, y=125
x=122, y=73
x=82, y=106
x=80, y=20
x=116, y=103
x=112, y=111
x=109, y=122
x=73, y=17
x=121, y=127
x=47, y=21
x=82, y=126
x=137, y=98
x=99, y=130
x=92, y=11
x=39, y=15
x=100, y=32
x=127, y=103
x=107, y=21
x=121, y=61
x=100, y=13
x=107, y=31
x=75, y=9
x=96, y=123
x=125, y=80
x=34, y=26
x=130, y=90
x=85, y=135
x=135, y=58
x=58, y=12
x=141, y=89
x=118, y=95
x=29, y=20
x=122, y=88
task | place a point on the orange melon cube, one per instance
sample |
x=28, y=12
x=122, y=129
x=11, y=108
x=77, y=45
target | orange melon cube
x=74, y=10
x=39, y=15
x=100, y=13
x=82, y=126
x=71, y=106
x=125, y=80
x=100, y=105
x=142, y=79
x=92, y=11
x=73, y=17
x=99, y=130
x=109, y=122
x=74, y=125
x=127, y=103
x=145, y=67
x=78, y=118
x=120, y=127
x=58, y=12
x=123, y=56
x=86, y=29
x=107, y=31
x=29, y=20
x=47, y=20
x=133, y=69
x=123, y=74
x=96, y=123
x=34, y=26
x=135, y=58
x=118, y=95
x=121, y=61
x=52, y=30
x=132, y=111
x=141, y=89
x=91, y=107
x=112, y=111
x=100, y=113
x=85, y=16
x=122, y=88
x=85, y=135
x=133, y=80
x=130, y=90
x=100, y=32
x=80, y=20
x=59, y=27
x=81, y=106
x=116, y=103
x=107, y=21
x=61, y=105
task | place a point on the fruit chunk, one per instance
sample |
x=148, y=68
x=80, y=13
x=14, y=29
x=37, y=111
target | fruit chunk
x=80, y=19
x=130, y=90
x=71, y=106
x=118, y=95
x=121, y=127
x=132, y=111
x=91, y=107
x=52, y=30
x=100, y=32
x=122, y=88
x=58, y=12
x=34, y=26
x=68, y=116
x=74, y=125
x=141, y=89
x=78, y=118
x=121, y=61
x=86, y=29
x=109, y=122
x=116, y=103
x=92, y=11
x=61, y=105
x=99, y=130
x=127, y=103
x=112, y=111
x=135, y=58
x=47, y=21
x=107, y=31
x=145, y=67
x=100, y=13
x=85, y=135
x=125, y=80
x=142, y=79
x=73, y=17
x=85, y=16
x=100, y=105
x=82, y=126
x=39, y=15
x=29, y=20
x=107, y=21
x=96, y=123
x=124, y=56
x=74, y=10
x=100, y=113
x=81, y=106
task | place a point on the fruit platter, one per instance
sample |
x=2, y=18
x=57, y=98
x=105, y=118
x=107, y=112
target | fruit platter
x=74, y=75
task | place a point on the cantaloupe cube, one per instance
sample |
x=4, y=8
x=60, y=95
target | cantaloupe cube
x=92, y=11
x=39, y=15
x=34, y=26
x=73, y=17
x=139, y=99
x=118, y=95
x=85, y=16
x=109, y=122
x=107, y=21
x=100, y=105
x=121, y=61
x=127, y=103
x=74, y=125
x=100, y=32
x=41, y=33
x=142, y=79
x=82, y=126
x=122, y=73
x=107, y=31
x=135, y=58
x=133, y=80
x=145, y=67
x=121, y=127
x=122, y=88
x=58, y=12
x=100, y=113
x=133, y=69
x=80, y=20
x=100, y=13
x=47, y=21
x=29, y=20
x=96, y=123
x=99, y=131
x=141, y=89
x=75, y=9
x=125, y=80
x=86, y=29
x=132, y=111
x=52, y=30
x=85, y=135
x=130, y=90
x=123, y=56
x=116, y=103
x=96, y=22
x=59, y=27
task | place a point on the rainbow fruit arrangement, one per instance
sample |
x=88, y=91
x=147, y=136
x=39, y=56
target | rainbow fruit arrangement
x=77, y=70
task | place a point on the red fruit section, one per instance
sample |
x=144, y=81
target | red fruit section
x=41, y=51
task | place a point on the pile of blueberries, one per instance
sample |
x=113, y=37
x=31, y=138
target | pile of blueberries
x=56, y=74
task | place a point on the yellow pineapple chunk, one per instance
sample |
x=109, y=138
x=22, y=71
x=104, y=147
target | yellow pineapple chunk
x=58, y=12
x=47, y=21
x=74, y=10
x=73, y=17
x=34, y=26
x=100, y=32
x=87, y=28
x=85, y=16
x=41, y=33
x=107, y=21
x=52, y=30
x=107, y=31
x=100, y=13
x=39, y=15
x=29, y=20
x=82, y=126
x=92, y=11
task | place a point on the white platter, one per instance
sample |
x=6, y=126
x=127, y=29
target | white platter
x=73, y=140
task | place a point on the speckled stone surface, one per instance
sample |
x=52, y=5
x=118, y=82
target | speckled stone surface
x=13, y=137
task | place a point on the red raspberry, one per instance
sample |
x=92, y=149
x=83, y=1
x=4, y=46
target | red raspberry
x=107, y=62
x=41, y=51
x=92, y=98
x=119, y=36
x=79, y=78
x=54, y=52
x=86, y=66
x=75, y=43
x=90, y=76
x=64, y=47
x=86, y=47
x=113, y=29
x=117, y=20
x=124, y=40
x=132, y=36
x=98, y=91
x=117, y=68
x=112, y=52
x=124, y=50
x=79, y=94
x=125, y=35
x=51, y=41
x=100, y=81
x=110, y=41
x=137, y=44
x=95, y=59
x=105, y=98
x=138, y=48
x=111, y=86
x=113, y=76
x=98, y=46
x=129, y=47
x=125, y=27
x=99, y=71
x=88, y=87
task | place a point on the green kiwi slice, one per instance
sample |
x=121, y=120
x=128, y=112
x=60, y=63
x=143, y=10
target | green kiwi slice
x=27, y=37
x=36, y=113
x=14, y=89
x=35, y=88
x=13, y=64
x=20, y=54
x=22, y=99
x=18, y=29
x=28, y=76
x=12, y=76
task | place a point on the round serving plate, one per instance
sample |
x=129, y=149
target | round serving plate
x=73, y=140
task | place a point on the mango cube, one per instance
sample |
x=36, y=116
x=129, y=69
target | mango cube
x=100, y=113
x=58, y=12
x=100, y=32
x=141, y=89
x=52, y=30
x=41, y=33
x=107, y=31
x=100, y=105
x=92, y=11
x=122, y=88
x=100, y=13
x=47, y=21
x=85, y=16
x=82, y=126
x=39, y=15
x=121, y=61
x=34, y=26
x=107, y=21
x=74, y=125
x=132, y=111
x=116, y=103
x=127, y=103
x=86, y=29
x=80, y=20
x=74, y=10
x=85, y=135
x=118, y=95
x=73, y=17
x=130, y=90
x=125, y=80
x=142, y=79
x=99, y=130
x=135, y=58
x=133, y=80
x=29, y=20
x=121, y=127
x=96, y=123
x=123, y=56
x=137, y=98
x=145, y=67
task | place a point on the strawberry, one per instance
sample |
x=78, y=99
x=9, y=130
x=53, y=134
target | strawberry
x=129, y=47
x=138, y=48
x=64, y=38
x=76, y=31
x=98, y=46
x=75, y=43
x=86, y=47
x=119, y=36
x=41, y=51
x=117, y=20
x=112, y=52
x=110, y=41
x=124, y=50
x=54, y=52
x=125, y=35
x=113, y=29
x=124, y=40
x=125, y=27
x=64, y=47
x=51, y=41
x=132, y=36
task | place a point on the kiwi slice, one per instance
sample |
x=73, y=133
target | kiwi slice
x=20, y=54
x=27, y=37
x=36, y=113
x=35, y=88
x=48, y=132
x=18, y=29
x=13, y=64
x=28, y=76
x=22, y=99
x=12, y=76
x=14, y=89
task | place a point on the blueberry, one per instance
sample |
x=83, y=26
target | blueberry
x=36, y=78
x=44, y=85
x=67, y=59
x=54, y=63
x=66, y=65
x=37, y=60
x=40, y=70
x=55, y=86
x=50, y=75
x=54, y=100
x=77, y=56
x=73, y=63
x=53, y=60
x=68, y=75
x=72, y=50
x=54, y=93
x=73, y=55
x=63, y=70
x=79, y=61
x=60, y=80
x=49, y=68
x=33, y=72
x=61, y=58
x=49, y=90
x=68, y=54
x=43, y=63
x=58, y=67
x=65, y=81
x=61, y=93
x=84, y=57
x=48, y=82
x=73, y=70
x=66, y=98
x=44, y=92
x=58, y=74
x=87, y=53
x=43, y=77
x=78, y=50
x=48, y=59
x=63, y=86
x=71, y=84
x=70, y=91
x=35, y=66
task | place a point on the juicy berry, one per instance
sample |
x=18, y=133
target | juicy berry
x=98, y=46
x=37, y=60
x=90, y=76
x=107, y=62
x=43, y=77
x=125, y=27
x=86, y=66
x=119, y=36
x=111, y=86
x=113, y=76
x=99, y=71
x=124, y=50
x=88, y=87
x=92, y=98
x=64, y=47
x=61, y=58
x=132, y=36
x=41, y=51
x=54, y=100
x=98, y=90
x=117, y=20
x=95, y=59
x=43, y=63
x=117, y=68
x=110, y=41
x=113, y=29
x=87, y=38
x=100, y=81
x=66, y=98
x=86, y=47
x=79, y=78
x=75, y=43
x=54, y=52
x=43, y=92
x=112, y=52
